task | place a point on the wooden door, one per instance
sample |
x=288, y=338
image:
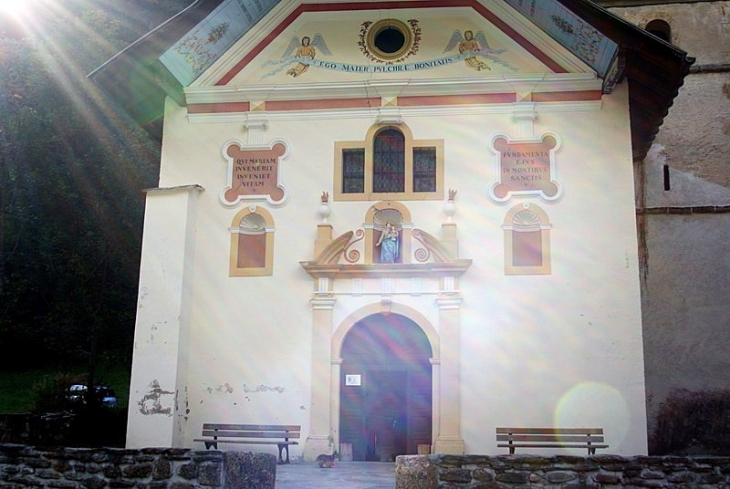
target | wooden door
x=386, y=415
x=386, y=408
x=419, y=420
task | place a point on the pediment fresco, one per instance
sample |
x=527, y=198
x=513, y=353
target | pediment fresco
x=424, y=43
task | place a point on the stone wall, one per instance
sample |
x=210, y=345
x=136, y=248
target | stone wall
x=685, y=311
x=563, y=472
x=150, y=468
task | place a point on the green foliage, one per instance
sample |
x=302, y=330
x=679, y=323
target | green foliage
x=71, y=173
x=692, y=423
x=38, y=390
x=50, y=394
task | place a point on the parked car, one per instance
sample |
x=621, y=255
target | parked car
x=105, y=395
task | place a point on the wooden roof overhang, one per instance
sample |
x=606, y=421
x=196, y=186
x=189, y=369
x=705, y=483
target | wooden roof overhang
x=654, y=69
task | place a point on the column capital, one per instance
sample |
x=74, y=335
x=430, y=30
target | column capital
x=451, y=301
x=323, y=302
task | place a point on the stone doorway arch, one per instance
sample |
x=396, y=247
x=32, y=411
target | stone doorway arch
x=386, y=388
x=324, y=436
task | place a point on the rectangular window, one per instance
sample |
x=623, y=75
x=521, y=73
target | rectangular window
x=353, y=171
x=424, y=169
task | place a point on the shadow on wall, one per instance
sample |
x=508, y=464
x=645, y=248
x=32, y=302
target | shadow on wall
x=692, y=423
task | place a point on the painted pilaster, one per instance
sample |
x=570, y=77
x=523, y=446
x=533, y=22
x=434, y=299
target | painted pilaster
x=335, y=374
x=320, y=438
x=448, y=438
x=159, y=369
x=324, y=238
x=449, y=239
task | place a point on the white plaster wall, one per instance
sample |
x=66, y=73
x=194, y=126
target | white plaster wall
x=561, y=349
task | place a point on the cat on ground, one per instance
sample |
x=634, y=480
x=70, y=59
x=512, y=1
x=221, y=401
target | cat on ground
x=327, y=461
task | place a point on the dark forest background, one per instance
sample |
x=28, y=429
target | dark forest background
x=72, y=171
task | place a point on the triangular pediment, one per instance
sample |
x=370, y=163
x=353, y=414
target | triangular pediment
x=239, y=52
x=334, y=43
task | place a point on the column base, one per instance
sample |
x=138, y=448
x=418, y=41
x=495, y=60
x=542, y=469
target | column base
x=449, y=446
x=316, y=446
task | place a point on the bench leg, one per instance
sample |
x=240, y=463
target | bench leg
x=209, y=444
x=283, y=447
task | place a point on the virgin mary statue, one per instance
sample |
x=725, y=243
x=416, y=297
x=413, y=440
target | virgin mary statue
x=388, y=243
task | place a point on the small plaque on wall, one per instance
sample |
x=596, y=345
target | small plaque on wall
x=254, y=173
x=351, y=379
x=525, y=167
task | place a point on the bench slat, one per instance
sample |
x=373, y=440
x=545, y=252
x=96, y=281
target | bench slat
x=252, y=427
x=551, y=431
x=247, y=434
x=252, y=434
x=588, y=438
x=548, y=445
x=251, y=442
x=549, y=438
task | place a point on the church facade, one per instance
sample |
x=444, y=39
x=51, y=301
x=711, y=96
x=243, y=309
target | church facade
x=396, y=224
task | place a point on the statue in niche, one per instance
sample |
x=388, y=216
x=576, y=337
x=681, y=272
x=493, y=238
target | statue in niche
x=388, y=243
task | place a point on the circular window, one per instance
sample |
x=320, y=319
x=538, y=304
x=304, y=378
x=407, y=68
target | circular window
x=389, y=39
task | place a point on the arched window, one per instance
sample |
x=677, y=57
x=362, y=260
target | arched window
x=252, y=243
x=526, y=241
x=389, y=163
x=660, y=28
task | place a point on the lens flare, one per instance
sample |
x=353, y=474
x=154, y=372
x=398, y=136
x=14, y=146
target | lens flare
x=593, y=404
x=14, y=8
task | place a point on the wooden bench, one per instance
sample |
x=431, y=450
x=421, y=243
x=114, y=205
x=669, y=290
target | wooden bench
x=251, y=434
x=588, y=438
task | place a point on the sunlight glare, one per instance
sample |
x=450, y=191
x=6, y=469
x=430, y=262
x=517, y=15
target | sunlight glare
x=15, y=8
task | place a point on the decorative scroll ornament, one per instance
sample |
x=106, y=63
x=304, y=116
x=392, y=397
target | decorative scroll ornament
x=433, y=247
x=339, y=247
x=353, y=256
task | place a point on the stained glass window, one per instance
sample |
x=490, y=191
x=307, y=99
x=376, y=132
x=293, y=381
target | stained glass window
x=389, y=161
x=424, y=169
x=353, y=171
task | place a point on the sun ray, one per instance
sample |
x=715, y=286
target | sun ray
x=14, y=8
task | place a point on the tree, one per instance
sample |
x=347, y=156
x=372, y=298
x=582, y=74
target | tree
x=71, y=173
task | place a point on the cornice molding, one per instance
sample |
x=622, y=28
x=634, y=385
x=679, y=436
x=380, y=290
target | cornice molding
x=556, y=82
x=374, y=113
x=386, y=270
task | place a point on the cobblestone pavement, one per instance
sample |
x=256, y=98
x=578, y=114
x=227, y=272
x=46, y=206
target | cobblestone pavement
x=344, y=475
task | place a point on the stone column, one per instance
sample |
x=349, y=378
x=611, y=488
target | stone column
x=448, y=435
x=320, y=437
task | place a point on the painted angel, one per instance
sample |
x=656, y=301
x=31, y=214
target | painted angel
x=470, y=43
x=305, y=49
